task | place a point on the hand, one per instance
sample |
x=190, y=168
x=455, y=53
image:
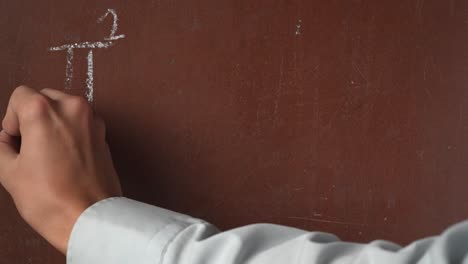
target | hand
x=63, y=164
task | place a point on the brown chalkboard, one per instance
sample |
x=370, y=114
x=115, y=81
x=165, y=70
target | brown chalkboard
x=346, y=116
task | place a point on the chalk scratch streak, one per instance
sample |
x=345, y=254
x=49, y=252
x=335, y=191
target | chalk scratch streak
x=280, y=88
x=419, y=10
x=360, y=72
x=324, y=221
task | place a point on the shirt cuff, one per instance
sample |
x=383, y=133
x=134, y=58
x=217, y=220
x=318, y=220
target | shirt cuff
x=120, y=230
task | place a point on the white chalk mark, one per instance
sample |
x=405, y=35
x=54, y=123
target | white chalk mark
x=90, y=79
x=109, y=42
x=112, y=35
x=84, y=45
x=298, y=27
x=69, y=69
x=69, y=66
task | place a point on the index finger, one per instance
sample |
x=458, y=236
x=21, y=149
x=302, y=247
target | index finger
x=17, y=108
x=8, y=154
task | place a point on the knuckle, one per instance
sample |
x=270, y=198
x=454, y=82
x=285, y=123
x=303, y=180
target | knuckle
x=38, y=106
x=78, y=106
x=21, y=88
x=18, y=91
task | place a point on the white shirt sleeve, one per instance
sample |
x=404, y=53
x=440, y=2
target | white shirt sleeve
x=119, y=230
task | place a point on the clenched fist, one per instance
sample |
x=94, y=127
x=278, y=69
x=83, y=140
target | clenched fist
x=60, y=166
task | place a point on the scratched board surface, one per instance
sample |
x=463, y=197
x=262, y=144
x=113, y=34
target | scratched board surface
x=343, y=116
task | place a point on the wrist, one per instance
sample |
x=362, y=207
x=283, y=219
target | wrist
x=56, y=227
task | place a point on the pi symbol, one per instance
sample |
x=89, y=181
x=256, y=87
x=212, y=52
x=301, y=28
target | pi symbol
x=107, y=42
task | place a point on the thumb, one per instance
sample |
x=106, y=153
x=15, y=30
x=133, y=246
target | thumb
x=8, y=154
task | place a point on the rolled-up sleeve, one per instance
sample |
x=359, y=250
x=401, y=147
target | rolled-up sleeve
x=119, y=230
